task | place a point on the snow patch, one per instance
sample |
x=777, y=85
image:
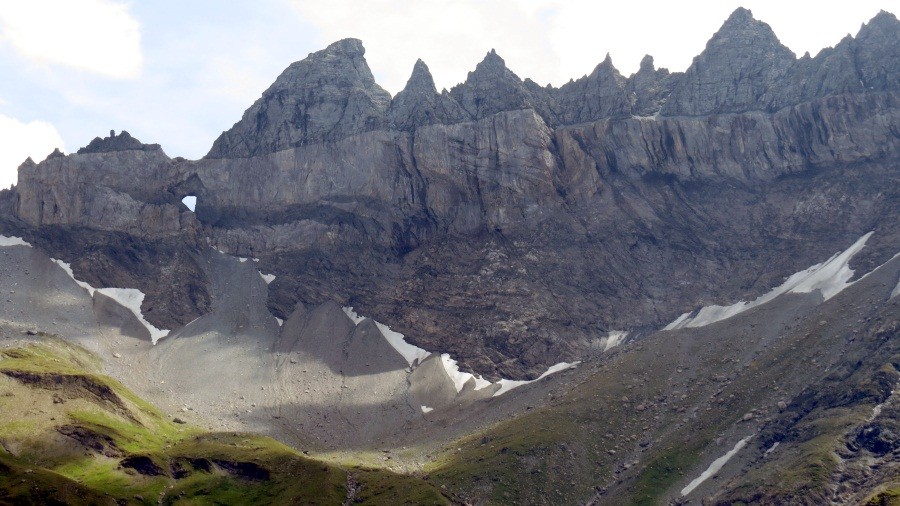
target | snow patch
x=268, y=278
x=12, y=241
x=352, y=315
x=129, y=298
x=896, y=290
x=244, y=259
x=614, y=339
x=68, y=268
x=507, y=385
x=834, y=275
x=395, y=339
x=715, y=467
x=280, y=321
x=772, y=448
x=398, y=341
x=412, y=354
x=426, y=409
x=190, y=202
x=461, y=378
x=829, y=278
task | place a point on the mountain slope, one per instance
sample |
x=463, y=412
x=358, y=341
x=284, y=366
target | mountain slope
x=70, y=435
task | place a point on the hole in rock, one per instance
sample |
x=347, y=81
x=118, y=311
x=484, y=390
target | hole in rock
x=190, y=201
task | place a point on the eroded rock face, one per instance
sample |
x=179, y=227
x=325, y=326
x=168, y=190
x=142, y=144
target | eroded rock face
x=509, y=224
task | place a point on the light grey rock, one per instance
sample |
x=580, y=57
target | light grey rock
x=329, y=95
x=420, y=104
x=740, y=63
x=599, y=95
x=649, y=88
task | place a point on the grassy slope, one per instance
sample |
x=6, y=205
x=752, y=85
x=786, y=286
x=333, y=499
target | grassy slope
x=71, y=435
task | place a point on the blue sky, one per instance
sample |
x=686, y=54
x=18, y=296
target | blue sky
x=178, y=73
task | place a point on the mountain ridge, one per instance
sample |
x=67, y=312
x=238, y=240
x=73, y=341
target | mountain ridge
x=743, y=68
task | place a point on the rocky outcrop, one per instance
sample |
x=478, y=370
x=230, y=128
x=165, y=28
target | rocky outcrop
x=492, y=88
x=741, y=62
x=330, y=95
x=116, y=190
x=599, y=95
x=122, y=142
x=649, y=88
x=419, y=103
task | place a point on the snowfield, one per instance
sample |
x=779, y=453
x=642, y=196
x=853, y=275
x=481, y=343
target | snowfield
x=829, y=278
x=13, y=241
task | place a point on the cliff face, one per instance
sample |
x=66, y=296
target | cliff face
x=509, y=224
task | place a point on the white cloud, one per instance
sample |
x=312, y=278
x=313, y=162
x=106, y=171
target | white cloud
x=555, y=40
x=36, y=139
x=99, y=36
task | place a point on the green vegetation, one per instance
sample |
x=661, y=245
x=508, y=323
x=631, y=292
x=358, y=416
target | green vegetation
x=70, y=435
x=663, y=471
x=888, y=497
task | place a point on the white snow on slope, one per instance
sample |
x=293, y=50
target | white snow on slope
x=410, y=352
x=268, y=278
x=426, y=409
x=614, y=339
x=460, y=378
x=715, y=467
x=352, y=315
x=12, y=241
x=129, y=298
x=395, y=339
x=829, y=278
x=413, y=353
x=68, y=268
x=507, y=385
x=896, y=290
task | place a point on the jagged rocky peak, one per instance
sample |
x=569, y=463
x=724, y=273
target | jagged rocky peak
x=869, y=62
x=122, y=142
x=877, y=52
x=649, y=87
x=491, y=88
x=419, y=103
x=742, y=61
x=55, y=154
x=647, y=64
x=330, y=95
x=598, y=95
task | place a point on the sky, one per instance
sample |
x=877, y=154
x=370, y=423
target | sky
x=179, y=72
